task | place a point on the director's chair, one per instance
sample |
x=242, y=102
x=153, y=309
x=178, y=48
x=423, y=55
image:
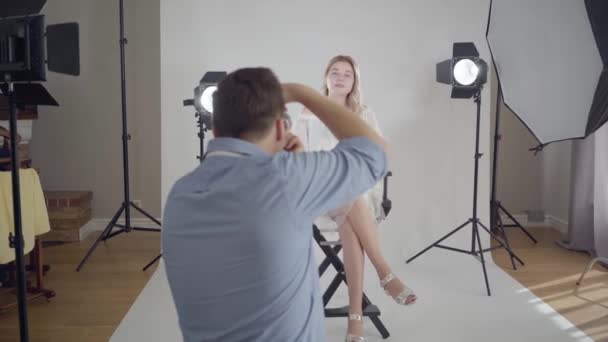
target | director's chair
x=331, y=250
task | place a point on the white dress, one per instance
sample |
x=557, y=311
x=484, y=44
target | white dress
x=315, y=136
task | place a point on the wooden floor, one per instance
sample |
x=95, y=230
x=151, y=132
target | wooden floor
x=90, y=304
x=551, y=273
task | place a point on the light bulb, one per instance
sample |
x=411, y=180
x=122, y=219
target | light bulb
x=206, y=100
x=466, y=72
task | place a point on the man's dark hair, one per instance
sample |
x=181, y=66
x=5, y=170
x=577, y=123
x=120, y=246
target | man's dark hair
x=247, y=102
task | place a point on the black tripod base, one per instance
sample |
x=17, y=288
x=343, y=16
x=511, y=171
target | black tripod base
x=476, y=249
x=126, y=228
x=152, y=262
x=497, y=208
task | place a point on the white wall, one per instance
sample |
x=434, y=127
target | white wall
x=528, y=181
x=556, y=182
x=397, y=44
x=77, y=146
x=519, y=175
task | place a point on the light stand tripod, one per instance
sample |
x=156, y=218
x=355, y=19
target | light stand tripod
x=16, y=241
x=203, y=124
x=496, y=223
x=476, y=247
x=127, y=203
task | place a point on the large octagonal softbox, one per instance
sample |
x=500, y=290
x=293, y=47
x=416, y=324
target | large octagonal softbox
x=551, y=57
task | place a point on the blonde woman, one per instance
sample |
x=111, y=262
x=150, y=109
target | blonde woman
x=357, y=220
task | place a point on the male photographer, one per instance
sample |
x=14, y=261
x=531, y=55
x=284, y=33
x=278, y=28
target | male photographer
x=237, y=231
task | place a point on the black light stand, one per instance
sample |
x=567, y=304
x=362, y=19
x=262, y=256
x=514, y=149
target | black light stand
x=203, y=124
x=27, y=49
x=203, y=117
x=496, y=208
x=16, y=241
x=127, y=203
x=476, y=248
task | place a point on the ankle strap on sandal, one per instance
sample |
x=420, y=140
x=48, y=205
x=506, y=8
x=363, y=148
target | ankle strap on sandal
x=355, y=317
x=386, y=280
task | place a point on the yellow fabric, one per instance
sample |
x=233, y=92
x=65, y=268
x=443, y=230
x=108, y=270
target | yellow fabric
x=34, y=215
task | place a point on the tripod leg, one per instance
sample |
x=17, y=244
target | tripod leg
x=495, y=219
x=501, y=229
x=518, y=224
x=101, y=237
x=483, y=262
x=143, y=212
x=473, y=243
x=152, y=262
x=502, y=244
x=438, y=241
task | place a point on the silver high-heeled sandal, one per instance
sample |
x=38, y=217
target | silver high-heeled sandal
x=354, y=338
x=402, y=297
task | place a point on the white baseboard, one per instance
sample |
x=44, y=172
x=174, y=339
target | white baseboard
x=523, y=220
x=100, y=224
x=549, y=222
x=87, y=229
x=559, y=224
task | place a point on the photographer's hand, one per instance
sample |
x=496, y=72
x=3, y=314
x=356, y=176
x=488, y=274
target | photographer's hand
x=293, y=143
x=290, y=92
x=341, y=121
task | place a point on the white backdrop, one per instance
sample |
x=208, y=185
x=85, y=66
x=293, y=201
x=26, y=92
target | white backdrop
x=397, y=46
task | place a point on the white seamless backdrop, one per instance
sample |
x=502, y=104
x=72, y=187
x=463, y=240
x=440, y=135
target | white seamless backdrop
x=397, y=44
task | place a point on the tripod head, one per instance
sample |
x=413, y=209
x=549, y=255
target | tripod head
x=203, y=103
x=204, y=123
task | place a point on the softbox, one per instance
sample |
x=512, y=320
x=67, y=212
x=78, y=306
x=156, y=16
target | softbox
x=551, y=57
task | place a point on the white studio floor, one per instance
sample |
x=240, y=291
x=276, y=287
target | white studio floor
x=452, y=306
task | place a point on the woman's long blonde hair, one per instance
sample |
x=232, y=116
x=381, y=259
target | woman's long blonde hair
x=353, y=99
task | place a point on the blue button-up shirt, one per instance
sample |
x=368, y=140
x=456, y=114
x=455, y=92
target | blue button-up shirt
x=237, y=238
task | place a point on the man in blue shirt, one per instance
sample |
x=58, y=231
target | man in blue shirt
x=237, y=231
